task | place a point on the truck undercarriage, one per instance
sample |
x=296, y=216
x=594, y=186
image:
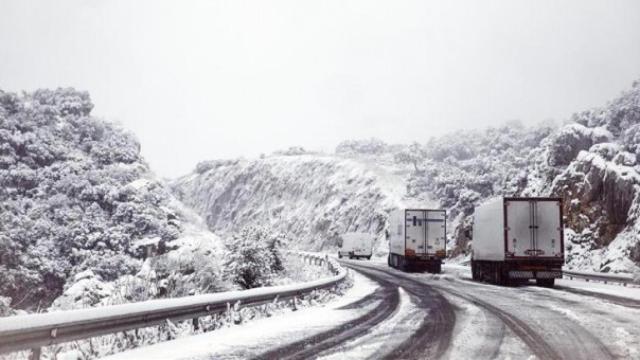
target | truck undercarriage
x=514, y=272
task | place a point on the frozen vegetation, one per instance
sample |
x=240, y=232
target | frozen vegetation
x=592, y=161
x=84, y=222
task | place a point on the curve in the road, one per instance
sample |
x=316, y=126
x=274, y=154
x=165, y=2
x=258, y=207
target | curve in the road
x=388, y=300
x=551, y=334
x=548, y=333
x=433, y=337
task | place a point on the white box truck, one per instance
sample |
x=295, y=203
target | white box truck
x=356, y=245
x=417, y=239
x=517, y=239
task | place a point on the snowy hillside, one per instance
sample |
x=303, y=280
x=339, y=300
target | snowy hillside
x=312, y=198
x=591, y=162
x=81, y=213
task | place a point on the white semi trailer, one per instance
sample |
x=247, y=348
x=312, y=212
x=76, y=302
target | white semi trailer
x=356, y=245
x=517, y=239
x=417, y=239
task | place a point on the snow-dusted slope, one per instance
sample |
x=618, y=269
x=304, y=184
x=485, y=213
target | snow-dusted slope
x=81, y=212
x=592, y=162
x=312, y=198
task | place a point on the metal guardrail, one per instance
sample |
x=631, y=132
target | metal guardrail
x=31, y=332
x=602, y=277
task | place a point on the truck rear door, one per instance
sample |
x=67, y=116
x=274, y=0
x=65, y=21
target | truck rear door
x=534, y=228
x=548, y=226
x=436, y=231
x=519, y=241
x=415, y=243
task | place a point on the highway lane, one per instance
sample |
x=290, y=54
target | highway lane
x=431, y=340
x=542, y=319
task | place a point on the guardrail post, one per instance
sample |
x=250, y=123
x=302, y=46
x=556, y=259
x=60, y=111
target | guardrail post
x=35, y=354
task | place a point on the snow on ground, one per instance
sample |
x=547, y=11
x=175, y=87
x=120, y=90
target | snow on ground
x=482, y=334
x=614, y=325
x=630, y=292
x=251, y=339
x=383, y=338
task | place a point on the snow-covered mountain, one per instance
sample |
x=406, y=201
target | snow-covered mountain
x=591, y=162
x=312, y=198
x=81, y=215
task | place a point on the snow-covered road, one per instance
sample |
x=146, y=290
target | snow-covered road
x=516, y=322
x=390, y=314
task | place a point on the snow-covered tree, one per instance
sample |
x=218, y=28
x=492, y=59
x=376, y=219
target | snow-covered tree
x=253, y=257
x=74, y=194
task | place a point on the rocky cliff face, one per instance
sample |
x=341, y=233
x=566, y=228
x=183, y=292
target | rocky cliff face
x=599, y=179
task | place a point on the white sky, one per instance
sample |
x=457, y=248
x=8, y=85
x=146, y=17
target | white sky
x=199, y=80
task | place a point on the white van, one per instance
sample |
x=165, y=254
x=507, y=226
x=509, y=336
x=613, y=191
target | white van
x=356, y=245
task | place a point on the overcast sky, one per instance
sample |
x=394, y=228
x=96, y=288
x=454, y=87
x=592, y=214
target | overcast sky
x=200, y=80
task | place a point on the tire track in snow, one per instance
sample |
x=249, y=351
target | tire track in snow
x=383, y=338
x=550, y=334
x=388, y=298
x=536, y=343
x=433, y=337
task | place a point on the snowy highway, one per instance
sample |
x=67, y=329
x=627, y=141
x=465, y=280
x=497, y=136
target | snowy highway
x=389, y=314
x=517, y=322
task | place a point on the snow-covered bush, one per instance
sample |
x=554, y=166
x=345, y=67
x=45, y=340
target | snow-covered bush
x=570, y=140
x=74, y=195
x=369, y=146
x=254, y=257
x=292, y=151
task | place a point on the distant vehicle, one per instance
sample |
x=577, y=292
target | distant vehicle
x=417, y=239
x=517, y=239
x=356, y=245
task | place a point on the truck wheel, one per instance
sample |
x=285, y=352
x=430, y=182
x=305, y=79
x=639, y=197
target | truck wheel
x=474, y=271
x=431, y=268
x=503, y=276
x=389, y=260
x=548, y=283
x=339, y=256
x=369, y=257
x=438, y=268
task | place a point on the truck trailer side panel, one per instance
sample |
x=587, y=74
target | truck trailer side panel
x=488, y=228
